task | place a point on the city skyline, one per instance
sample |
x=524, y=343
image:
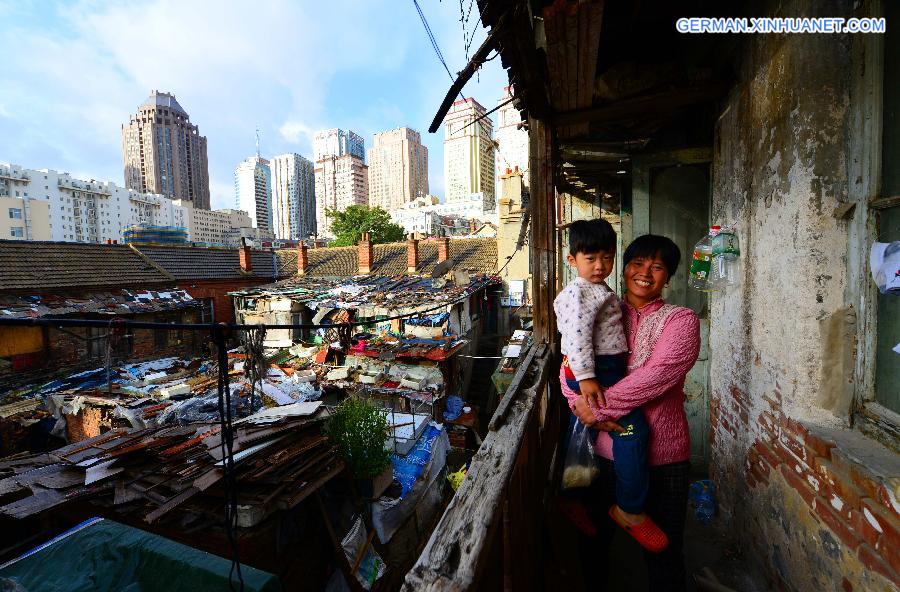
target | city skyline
x=349, y=84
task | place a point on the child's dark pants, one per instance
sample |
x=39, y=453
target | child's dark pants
x=630, y=447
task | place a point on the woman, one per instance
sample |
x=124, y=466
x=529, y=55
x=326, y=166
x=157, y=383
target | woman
x=664, y=341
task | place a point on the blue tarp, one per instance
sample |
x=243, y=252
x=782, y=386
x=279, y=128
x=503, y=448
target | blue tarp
x=408, y=468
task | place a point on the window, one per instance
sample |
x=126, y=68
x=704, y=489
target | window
x=17, y=232
x=15, y=213
x=886, y=211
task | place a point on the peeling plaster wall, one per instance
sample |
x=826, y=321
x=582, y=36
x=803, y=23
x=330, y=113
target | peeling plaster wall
x=780, y=169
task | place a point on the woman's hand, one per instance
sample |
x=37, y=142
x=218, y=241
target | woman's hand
x=586, y=416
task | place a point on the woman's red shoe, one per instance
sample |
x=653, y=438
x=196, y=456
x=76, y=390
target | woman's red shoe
x=647, y=533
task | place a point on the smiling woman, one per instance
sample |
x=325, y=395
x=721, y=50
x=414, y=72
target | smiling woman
x=664, y=341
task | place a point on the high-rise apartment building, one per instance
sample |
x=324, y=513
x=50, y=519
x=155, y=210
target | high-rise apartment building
x=78, y=211
x=216, y=227
x=337, y=142
x=164, y=153
x=293, y=197
x=253, y=191
x=512, y=140
x=341, y=181
x=398, y=168
x=469, y=153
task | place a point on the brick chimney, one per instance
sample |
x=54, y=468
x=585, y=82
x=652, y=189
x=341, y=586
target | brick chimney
x=245, y=259
x=412, y=254
x=473, y=226
x=443, y=244
x=365, y=254
x=302, y=258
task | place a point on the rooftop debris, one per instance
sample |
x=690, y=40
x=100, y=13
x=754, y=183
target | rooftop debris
x=280, y=456
x=110, y=302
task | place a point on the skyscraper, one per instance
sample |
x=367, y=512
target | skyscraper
x=253, y=191
x=512, y=140
x=468, y=153
x=337, y=142
x=341, y=181
x=164, y=153
x=293, y=197
x=398, y=168
x=342, y=177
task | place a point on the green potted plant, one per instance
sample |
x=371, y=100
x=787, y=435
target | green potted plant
x=358, y=429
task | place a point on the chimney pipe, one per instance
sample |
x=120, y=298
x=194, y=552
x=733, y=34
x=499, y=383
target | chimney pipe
x=246, y=260
x=412, y=254
x=365, y=254
x=302, y=258
x=443, y=244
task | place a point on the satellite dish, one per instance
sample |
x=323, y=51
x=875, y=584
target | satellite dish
x=442, y=268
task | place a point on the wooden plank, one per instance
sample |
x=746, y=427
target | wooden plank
x=514, y=386
x=460, y=547
x=655, y=104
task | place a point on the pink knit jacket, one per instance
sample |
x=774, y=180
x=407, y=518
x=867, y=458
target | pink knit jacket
x=664, y=343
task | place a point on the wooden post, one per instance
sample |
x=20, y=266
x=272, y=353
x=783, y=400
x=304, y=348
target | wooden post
x=543, y=230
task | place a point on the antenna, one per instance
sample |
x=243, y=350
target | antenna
x=257, y=142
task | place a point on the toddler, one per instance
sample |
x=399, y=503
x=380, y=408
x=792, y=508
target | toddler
x=589, y=316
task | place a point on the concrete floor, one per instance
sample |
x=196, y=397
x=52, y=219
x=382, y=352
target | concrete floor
x=705, y=547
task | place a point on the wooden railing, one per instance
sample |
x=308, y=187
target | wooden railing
x=490, y=536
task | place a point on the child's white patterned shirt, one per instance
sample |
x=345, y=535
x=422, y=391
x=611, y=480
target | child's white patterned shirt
x=589, y=317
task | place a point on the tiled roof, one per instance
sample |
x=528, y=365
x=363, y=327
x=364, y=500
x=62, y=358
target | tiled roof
x=204, y=263
x=475, y=255
x=39, y=265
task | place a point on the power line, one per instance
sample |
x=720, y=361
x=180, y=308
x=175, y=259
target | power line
x=431, y=38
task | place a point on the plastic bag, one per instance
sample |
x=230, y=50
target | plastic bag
x=580, y=468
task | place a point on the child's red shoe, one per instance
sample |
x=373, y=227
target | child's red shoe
x=577, y=514
x=647, y=533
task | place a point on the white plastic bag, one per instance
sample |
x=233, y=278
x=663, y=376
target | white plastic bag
x=580, y=468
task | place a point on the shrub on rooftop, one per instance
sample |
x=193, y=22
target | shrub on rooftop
x=358, y=429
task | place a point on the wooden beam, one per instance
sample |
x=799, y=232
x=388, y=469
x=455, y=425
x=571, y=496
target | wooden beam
x=656, y=104
x=490, y=43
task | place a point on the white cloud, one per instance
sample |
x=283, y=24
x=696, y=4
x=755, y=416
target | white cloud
x=72, y=75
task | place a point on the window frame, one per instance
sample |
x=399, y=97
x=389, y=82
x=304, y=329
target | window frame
x=866, y=199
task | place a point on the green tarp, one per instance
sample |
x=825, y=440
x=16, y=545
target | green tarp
x=100, y=555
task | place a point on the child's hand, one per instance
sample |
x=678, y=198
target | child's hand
x=592, y=392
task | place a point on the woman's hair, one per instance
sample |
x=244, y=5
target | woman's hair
x=591, y=236
x=649, y=246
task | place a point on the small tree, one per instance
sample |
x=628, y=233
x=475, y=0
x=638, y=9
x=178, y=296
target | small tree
x=348, y=226
x=358, y=429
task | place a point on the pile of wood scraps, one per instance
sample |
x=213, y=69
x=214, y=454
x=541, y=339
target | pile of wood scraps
x=280, y=457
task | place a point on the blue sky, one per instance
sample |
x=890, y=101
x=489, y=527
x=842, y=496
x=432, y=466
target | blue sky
x=73, y=71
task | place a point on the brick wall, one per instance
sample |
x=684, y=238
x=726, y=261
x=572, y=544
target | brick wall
x=218, y=292
x=812, y=499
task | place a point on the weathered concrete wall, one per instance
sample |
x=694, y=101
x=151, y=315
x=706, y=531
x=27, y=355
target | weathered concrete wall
x=816, y=500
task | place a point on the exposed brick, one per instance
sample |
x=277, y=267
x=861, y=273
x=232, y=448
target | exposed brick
x=798, y=484
x=862, y=526
x=819, y=446
x=836, y=524
x=870, y=558
x=794, y=443
x=884, y=497
x=865, y=481
x=887, y=523
x=766, y=452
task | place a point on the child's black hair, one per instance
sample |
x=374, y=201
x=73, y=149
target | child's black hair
x=591, y=236
x=649, y=246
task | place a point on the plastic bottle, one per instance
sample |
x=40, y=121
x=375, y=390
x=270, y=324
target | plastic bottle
x=698, y=276
x=726, y=260
x=703, y=499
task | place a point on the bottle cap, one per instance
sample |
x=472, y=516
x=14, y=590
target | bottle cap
x=715, y=229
